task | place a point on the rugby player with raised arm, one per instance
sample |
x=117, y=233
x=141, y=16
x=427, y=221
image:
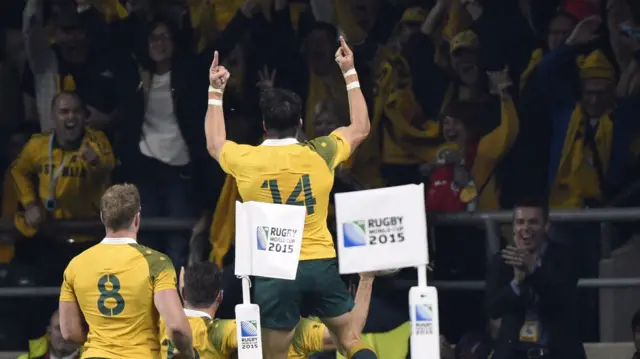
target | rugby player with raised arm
x=119, y=287
x=283, y=170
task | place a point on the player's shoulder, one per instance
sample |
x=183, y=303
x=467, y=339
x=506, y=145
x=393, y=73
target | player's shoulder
x=219, y=329
x=89, y=255
x=70, y=270
x=199, y=326
x=322, y=142
x=325, y=146
x=82, y=263
x=238, y=148
x=157, y=261
x=220, y=324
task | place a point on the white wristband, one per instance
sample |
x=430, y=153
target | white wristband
x=349, y=73
x=353, y=85
x=215, y=90
x=214, y=102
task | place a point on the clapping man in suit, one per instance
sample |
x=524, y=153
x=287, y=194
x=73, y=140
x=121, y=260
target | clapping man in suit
x=532, y=286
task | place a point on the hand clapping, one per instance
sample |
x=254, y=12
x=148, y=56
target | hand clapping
x=519, y=258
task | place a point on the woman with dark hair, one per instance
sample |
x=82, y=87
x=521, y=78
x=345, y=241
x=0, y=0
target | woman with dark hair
x=161, y=144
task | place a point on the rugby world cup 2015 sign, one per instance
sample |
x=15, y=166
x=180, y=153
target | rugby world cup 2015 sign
x=381, y=229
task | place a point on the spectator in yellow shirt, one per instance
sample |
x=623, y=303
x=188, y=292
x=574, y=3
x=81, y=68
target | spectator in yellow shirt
x=61, y=175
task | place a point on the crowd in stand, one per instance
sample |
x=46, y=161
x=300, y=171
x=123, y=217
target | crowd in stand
x=488, y=102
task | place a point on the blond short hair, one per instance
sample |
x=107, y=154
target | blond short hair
x=119, y=205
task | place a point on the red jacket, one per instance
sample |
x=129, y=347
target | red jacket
x=442, y=195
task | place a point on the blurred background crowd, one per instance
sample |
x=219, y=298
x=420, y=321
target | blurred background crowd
x=95, y=92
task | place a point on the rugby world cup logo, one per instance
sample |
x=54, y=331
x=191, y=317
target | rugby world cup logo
x=262, y=235
x=248, y=328
x=423, y=313
x=354, y=234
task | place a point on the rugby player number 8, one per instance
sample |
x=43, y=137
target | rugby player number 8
x=303, y=185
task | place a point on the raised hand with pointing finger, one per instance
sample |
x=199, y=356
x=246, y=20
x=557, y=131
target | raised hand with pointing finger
x=344, y=56
x=218, y=75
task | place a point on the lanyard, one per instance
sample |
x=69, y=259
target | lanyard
x=53, y=179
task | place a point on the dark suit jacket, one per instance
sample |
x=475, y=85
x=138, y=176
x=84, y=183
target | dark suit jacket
x=555, y=282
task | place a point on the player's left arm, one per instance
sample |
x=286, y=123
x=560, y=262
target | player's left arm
x=71, y=319
x=358, y=313
x=360, y=125
x=214, y=126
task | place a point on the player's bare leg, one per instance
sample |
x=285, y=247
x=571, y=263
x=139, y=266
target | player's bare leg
x=275, y=343
x=349, y=341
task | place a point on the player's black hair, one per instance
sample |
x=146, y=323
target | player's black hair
x=281, y=110
x=202, y=284
x=533, y=202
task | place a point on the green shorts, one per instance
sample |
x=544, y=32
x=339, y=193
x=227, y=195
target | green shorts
x=317, y=290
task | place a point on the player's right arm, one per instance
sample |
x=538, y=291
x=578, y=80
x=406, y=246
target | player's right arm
x=214, y=127
x=167, y=302
x=71, y=319
x=360, y=126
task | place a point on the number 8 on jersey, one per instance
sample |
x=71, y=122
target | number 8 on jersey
x=109, y=287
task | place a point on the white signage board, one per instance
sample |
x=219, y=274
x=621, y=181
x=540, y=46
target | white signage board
x=268, y=239
x=381, y=229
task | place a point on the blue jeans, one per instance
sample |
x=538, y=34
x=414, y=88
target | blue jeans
x=171, y=196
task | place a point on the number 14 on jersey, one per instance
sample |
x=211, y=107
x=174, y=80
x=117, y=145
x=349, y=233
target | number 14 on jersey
x=303, y=186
